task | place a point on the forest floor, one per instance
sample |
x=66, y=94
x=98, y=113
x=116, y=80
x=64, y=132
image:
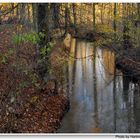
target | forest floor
x=27, y=103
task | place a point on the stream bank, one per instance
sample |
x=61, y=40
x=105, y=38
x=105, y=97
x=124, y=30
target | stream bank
x=129, y=62
x=88, y=35
x=27, y=103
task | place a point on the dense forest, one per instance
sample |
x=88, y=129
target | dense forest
x=69, y=67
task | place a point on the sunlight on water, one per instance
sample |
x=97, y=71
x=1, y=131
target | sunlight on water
x=100, y=102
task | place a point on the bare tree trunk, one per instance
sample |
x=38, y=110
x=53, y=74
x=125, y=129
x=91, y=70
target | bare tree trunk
x=22, y=13
x=43, y=21
x=138, y=9
x=138, y=12
x=12, y=6
x=94, y=18
x=126, y=37
x=102, y=8
x=115, y=13
x=35, y=12
x=28, y=9
x=81, y=13
x=56, y=12
x=74, y=16
x=66, y=18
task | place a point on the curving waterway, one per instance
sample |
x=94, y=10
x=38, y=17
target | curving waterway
x=102, y=99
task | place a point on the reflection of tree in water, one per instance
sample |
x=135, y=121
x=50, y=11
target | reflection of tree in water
x=114, y=99
x=126, y=99
x=74, y=44
x=113, y=111
x=83, y=54
x=125, y=113
x=129, y=93
x=108, y=62
x=126, y=82
x=136, y=108
x=96, y=117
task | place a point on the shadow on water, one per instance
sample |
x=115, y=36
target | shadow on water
x=102, y=99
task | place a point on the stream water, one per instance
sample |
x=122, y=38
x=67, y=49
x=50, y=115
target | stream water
x=102, y=99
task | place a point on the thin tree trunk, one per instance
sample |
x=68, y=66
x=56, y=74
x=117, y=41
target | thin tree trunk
x=74, y=16
x=22, y=13
x=115, y=13
x=126, y=37
x=81, y=13
x=56, y=11
x=138, y=12
x=28, y=9
x=66, y=18
x=35, y=12
x=43, y=23
x=94, y=18
x=102, y=7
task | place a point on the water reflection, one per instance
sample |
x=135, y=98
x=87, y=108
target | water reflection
x=101, y=99
x=136, y=110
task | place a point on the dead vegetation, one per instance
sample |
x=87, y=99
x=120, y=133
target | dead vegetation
x=27, y=104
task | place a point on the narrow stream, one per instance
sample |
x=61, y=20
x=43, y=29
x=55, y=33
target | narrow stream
x=99, y=101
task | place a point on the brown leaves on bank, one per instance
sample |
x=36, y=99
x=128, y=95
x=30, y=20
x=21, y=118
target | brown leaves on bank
x=26, y=106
